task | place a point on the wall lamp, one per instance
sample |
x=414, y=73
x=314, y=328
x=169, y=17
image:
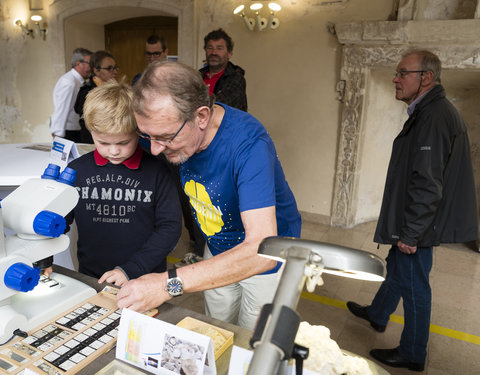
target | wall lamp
x=26, y=31
x=256, y=20
x=305, y=261
x=41, y=32
x=29, y=32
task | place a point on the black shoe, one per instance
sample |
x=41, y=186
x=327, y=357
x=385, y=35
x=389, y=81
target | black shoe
x=361, y=312
x=391, y=357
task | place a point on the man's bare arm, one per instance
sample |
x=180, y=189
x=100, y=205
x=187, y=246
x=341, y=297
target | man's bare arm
x=234, y=265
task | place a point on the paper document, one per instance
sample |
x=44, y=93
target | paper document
x=63, y=151
x=163, y=348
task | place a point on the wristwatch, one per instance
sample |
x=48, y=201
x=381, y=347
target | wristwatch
x=174, y=283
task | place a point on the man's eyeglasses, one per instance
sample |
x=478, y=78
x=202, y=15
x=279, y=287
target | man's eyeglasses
x=160, y=140
x=109, y=68
x=153, y=54
x=217, y=48
x=83, y=61
x=403, y=73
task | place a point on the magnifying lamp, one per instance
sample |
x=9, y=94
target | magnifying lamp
x=305, y=261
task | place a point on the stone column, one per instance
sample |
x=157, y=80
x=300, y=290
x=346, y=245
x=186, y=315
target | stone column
x=356, y=64
x=353, y=74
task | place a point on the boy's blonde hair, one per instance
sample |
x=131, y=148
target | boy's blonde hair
x=108, y=109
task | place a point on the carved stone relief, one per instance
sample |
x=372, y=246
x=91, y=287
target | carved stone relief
x=405, y=10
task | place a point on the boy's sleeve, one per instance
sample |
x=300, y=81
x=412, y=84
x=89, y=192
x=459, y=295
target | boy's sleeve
x=167, y=228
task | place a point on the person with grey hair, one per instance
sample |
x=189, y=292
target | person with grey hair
x=429, y=199
x=103, y=68
x=231, y=172
x=64, y=122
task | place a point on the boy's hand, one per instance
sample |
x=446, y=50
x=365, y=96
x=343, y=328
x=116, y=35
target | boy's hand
x=115, y=277
x=47, y=271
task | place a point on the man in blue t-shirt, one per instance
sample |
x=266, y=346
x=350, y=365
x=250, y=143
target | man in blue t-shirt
x=231, y=173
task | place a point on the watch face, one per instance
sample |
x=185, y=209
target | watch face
x=175, y=287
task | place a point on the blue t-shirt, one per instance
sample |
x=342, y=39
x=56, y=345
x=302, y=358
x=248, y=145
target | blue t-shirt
x=238, y=171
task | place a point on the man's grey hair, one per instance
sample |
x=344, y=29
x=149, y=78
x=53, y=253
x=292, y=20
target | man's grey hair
x=182, y=83
x=79, y=54
x=429, y=62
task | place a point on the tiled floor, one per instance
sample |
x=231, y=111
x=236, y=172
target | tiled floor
x=454, y=346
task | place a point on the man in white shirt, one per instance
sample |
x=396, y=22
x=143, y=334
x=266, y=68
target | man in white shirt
x=64, y=122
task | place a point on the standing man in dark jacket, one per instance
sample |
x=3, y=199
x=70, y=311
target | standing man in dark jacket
x=429, y=199
x=223, y=78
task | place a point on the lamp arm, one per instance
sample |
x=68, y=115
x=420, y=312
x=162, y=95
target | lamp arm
x=270, y=354
x=276, y=328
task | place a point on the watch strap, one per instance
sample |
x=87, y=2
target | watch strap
x=172, y=273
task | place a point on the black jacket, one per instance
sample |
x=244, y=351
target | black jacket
x=429, y=193
x=231, y=87
x=85, y=136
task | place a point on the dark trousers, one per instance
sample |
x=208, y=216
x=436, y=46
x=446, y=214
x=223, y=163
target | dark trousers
x=85, y=136
x=407, y=278
x=73, y=135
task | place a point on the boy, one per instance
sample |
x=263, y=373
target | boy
x=128, y=216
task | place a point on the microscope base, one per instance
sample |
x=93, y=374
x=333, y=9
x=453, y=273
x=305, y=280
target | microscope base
x=49, y=299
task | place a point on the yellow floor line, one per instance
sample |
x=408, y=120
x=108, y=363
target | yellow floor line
x=458, y=335
x=393, y=318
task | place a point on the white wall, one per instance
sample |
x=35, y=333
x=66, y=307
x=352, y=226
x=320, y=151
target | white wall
x=82, y=34
x=383, y=119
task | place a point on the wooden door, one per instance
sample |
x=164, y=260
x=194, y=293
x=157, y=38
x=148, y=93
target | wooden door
x=125, y=40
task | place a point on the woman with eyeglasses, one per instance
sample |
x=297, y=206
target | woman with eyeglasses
x=103, y=68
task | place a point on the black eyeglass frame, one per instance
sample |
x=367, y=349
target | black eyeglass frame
x=109, y=68
x=403, y=73
x=152, y=54
x=148, y=138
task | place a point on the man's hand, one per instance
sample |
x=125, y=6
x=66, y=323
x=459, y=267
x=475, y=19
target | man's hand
x=144, y=293
x=405, y=248
x=115, y=277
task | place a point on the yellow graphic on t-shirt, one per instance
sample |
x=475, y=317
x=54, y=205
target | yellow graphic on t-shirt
x=209, y=217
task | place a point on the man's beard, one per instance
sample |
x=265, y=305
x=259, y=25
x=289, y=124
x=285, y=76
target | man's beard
x=179, y=159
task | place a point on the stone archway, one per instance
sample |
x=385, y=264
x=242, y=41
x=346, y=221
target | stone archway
x=60, y=10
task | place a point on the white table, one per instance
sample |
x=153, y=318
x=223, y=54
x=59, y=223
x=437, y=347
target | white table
x=20, y=162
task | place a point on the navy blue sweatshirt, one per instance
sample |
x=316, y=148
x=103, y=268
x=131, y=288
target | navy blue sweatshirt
x=128, y=215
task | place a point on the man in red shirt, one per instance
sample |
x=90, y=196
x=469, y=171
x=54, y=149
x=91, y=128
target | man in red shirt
x=223, y=78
